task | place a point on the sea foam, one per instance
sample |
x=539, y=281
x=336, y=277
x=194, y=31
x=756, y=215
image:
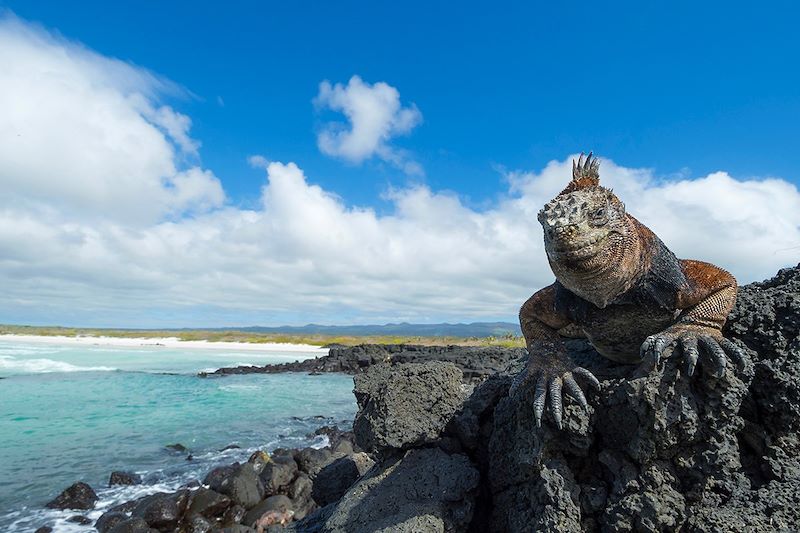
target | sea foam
x=11, y=364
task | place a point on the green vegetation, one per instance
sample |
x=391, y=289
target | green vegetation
x=509, y=341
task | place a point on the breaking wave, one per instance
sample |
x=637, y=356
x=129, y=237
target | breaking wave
x=40, y=366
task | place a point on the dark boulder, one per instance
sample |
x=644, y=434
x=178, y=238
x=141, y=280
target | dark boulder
x=79, y=519
x=43, y=529
x=197, y=524
x=124, y=478
x=215, y=477
x=405, y=406
x=162, y=510
x=208, y=503
x=278, y=474
x=312, y=460
x=234, y=515
x=423, y=490
x=132, y=525
x=240, y=483
x=332, y=482
x=76, y=496
x=278, y=504
x=300, y=493
x=108, y=520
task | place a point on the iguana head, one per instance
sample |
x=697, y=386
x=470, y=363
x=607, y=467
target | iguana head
x=586, y=230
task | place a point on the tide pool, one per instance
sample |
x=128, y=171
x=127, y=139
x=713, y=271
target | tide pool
x=75, y=413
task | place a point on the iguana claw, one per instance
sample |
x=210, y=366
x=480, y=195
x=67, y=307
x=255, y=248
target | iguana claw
x=716, y=348
x=552, y=380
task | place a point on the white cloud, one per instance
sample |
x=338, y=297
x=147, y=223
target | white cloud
x=375, y=116
x=94, y=227
x=88, y=133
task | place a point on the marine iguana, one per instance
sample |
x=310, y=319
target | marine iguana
x=628, y=293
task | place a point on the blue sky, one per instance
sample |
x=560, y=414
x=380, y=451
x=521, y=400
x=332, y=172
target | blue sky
x=498, y=98
x=684, y=86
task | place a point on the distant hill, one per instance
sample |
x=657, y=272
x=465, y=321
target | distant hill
x=475, y=329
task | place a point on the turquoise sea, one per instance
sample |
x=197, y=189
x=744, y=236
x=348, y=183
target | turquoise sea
x=75, y=413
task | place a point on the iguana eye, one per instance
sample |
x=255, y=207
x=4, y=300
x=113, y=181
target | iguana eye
x=600, y=212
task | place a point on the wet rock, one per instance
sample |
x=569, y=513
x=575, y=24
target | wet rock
x=162, y=510
x=422, y=490
x=132, y=525
x=124, y=478
x=240, y=483
x=300, y=493
x=197, y=524
x=76, y=496
x=208, y=503
x=177, y=447
x=108, y=520
x=79, y=519
x=215, y=477
x=405, y=406
x=234, y=515
x=43, y=529
x=332, y=482
x=278, y=474
x=312, y=460
x=278, y=503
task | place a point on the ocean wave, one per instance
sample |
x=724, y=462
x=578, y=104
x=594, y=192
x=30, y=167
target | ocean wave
x=41, y=366
x=240, y=388
x=28, y=520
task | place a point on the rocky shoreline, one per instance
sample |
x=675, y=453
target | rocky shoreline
x=656, y=451
x=475, y=362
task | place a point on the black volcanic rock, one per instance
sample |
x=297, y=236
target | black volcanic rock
x=162, y=510
x=476, y=362
x=240, y=483
x=108, y=520
x=208, y=503
x=420, y=490
x=76, y=496
x=656, y=451
x=405, y=405
x=332, y=482
x=124, y=478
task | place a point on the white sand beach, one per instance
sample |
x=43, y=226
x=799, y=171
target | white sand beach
x=166, y=342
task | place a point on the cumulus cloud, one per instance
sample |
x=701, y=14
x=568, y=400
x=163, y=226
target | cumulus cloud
x=89, y=134
x=100, y=224
x=374, y=115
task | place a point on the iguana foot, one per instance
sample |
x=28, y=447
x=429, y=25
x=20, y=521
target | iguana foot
x=716, y=347
x=553, y=375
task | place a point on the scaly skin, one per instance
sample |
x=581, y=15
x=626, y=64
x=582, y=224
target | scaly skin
x=619, y=284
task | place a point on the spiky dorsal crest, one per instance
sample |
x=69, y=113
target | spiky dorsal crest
x=585, y=174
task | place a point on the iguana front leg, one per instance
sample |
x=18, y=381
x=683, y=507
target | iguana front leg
x=548, y=362
x=704, y=305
